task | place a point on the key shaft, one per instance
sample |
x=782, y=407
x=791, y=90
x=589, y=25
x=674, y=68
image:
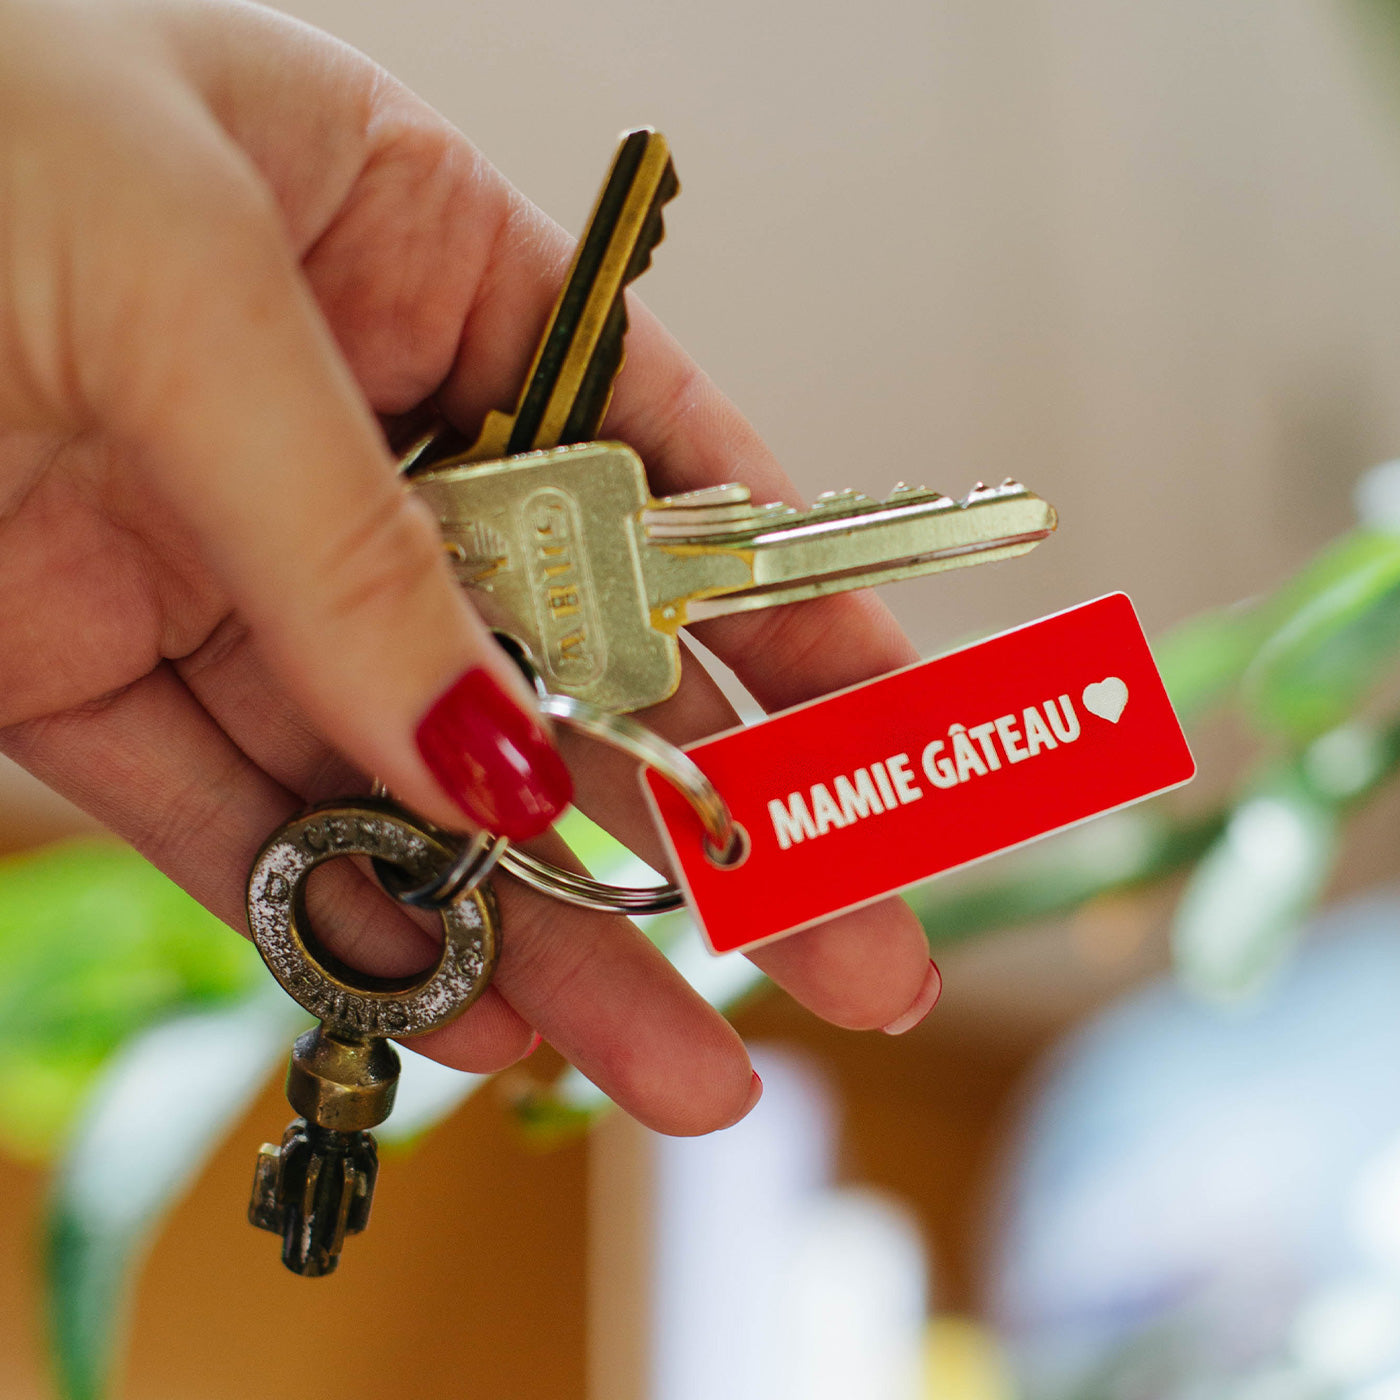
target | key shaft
x=846, y=541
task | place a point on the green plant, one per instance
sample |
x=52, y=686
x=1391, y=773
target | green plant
x=103, y=962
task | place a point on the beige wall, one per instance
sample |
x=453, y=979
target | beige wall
x=1145, y=256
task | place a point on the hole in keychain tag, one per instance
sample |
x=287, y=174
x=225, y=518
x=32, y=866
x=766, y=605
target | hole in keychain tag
x=852, y=797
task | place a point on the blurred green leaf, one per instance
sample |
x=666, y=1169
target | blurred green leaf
x=1243, y=907
x=1059, y=874
x=550, y=1116
x=1336, y=632
x=1382, y=19
x=95, y=944
x=1306, y=653
x=160, y=1108
x=1203, y=659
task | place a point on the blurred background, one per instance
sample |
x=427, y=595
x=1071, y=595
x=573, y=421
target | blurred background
x=1145, y=258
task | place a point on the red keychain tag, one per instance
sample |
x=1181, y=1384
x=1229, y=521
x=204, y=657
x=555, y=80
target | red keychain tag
x=864, y=792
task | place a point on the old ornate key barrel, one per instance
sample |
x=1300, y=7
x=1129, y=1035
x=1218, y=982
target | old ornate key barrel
x=316, y=1187
x=589, y=578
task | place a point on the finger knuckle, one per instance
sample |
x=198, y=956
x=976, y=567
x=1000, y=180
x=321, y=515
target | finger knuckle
x=225, y=211
x=387, y=561
x=688, y=393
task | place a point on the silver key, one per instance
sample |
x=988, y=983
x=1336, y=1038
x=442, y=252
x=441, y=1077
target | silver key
x=567, y=551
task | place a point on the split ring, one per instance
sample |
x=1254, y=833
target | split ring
x=722, y=835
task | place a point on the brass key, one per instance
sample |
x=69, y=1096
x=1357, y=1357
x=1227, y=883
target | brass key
x=568, y=553
x=571, y=379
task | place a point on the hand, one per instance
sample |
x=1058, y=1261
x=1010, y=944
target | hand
x=226, y=243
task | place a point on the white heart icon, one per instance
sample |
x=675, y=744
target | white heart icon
x=1106, y=698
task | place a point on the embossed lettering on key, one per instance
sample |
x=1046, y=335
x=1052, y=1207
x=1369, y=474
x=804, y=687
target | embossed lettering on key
x=594, y=577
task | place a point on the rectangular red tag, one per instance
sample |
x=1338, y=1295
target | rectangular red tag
x=861, y=793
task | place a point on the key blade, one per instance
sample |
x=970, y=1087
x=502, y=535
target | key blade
x=846, y=541
x=570, y=382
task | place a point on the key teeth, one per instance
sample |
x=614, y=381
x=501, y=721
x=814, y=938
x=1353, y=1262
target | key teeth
x=314, y=1189
x=904, y=494
x=833, y=502
x=654, y=227
x=712, y=512
x=264, y=1209
x=982, y=492
x=730, y=493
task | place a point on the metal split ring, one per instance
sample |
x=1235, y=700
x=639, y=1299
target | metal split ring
x=722, y=835
x=478, y=857
x=474, y=862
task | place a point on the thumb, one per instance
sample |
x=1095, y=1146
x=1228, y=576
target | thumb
x=259, y=435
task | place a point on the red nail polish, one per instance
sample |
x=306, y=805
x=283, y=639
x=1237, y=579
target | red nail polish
x=493, y=759
x=927, y=999
x=755, y=1093
x=536, y=1040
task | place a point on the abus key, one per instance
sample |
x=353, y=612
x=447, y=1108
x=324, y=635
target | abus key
x=568, y=552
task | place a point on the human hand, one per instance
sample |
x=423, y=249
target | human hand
x=226, y=243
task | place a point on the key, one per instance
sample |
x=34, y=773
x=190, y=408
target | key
x=570, y=381
x=575, y=563
x=316, y=1186
x=567, y=553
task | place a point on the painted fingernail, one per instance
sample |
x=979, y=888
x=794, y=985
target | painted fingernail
x=536, y=1040
x=923, y=1003
x=755, y=1093
x=493, y=759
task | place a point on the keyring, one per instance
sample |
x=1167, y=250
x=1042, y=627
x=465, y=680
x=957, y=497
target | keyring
x=476, y=860
x=351, y=1001
x=724, y=839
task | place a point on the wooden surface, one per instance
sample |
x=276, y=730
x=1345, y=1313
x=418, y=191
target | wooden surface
x=469, y=1283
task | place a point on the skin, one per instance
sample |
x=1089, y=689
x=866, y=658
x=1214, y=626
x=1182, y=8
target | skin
x=231, y=250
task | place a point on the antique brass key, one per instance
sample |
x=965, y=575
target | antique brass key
x=567, y=552
x=316, y=1187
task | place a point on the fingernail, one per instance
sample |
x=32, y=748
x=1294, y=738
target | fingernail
x=493, y=759
x=536, y=1040
x=923, y=1003
x=755, y=1093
